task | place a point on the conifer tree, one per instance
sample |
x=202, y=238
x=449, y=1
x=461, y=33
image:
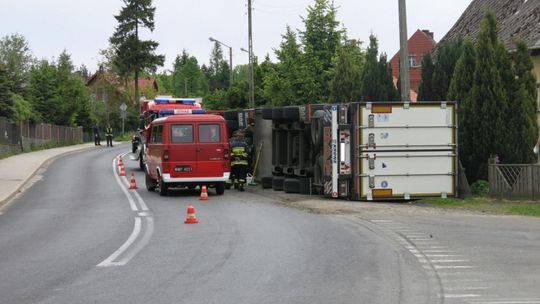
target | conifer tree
x=460, y=91
x=425, y=90
x=6, y=104
x=345, y=85
x=488, y=101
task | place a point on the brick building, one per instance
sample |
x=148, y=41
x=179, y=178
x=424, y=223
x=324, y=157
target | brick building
x=420, y=43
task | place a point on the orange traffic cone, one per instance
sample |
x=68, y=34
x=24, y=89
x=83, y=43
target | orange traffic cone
x=132, y=183
x=204, y=194
x=122, y=171
x=191, y=217
x=120, y=162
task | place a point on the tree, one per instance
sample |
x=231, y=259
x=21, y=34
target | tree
x=524, y=105
x=320, y=40
x=347, y=73
x=6, y=103
x=460, y=91
x=448, y=54
x=377, y=84
x=425, y=90
x=187, y=77
x=43, y=91
x=219, y=70
x=488, y=101
x=16, y=57
x=132, y=55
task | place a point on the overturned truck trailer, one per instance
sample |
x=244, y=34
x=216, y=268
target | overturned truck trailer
x=359, y=151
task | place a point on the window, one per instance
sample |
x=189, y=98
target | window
x=412, y=60
x=157, y=134
x=182, y=134
x=209, y=134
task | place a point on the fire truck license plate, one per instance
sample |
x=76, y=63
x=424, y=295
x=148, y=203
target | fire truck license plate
x=182, y=168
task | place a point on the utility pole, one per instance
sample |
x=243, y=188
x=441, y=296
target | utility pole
x=404, y=53
x=250, y=50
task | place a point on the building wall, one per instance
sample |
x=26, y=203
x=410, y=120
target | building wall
x=419, y=44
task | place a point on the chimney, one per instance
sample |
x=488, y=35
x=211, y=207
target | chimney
x=430, y=34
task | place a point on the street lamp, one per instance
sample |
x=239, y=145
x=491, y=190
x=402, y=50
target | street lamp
x=251, y=83
x=230, y=57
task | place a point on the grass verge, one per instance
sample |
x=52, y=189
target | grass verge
x=485, y=205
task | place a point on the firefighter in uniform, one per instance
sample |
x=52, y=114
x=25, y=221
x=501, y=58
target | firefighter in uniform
x=239, y=161
x=108, y=135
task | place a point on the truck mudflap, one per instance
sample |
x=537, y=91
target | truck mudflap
x=337, y=151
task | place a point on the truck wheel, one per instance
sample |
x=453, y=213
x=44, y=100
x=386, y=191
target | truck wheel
x=317, y=129
x=220, y=188
x=231, y=115
x=232, y=125
x=318, y=170
x=277, y=183
x=277, y=113
x=141, y=161
x=291, y=113
x=291, y=185
x=150, y=182
x=163, y=187
x=267, y=113
x=305, y=185
x=266, y=182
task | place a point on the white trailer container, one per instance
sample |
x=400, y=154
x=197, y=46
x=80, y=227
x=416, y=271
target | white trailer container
x=399, y=150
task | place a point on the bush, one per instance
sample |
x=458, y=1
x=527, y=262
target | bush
x=480, y=188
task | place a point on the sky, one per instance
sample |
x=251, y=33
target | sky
x=84, y=27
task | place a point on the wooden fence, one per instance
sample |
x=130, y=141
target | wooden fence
x=23, y=136
x=514, y=181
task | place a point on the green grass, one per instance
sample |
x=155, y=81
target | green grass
x=485, y=205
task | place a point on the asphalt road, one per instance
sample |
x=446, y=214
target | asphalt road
x=77, y=236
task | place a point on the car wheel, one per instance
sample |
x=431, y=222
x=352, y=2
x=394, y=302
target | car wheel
x=220, y=188
x=162, y=187
x=150, y=182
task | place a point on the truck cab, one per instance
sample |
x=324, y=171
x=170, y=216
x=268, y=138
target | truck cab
x=187, y=151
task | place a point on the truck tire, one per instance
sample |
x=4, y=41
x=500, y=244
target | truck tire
x=291, y=185
x=317, y=129
x=318, y=170
x=277, y=113
x=277, y=183
x=291, y=113
x=141, y=161
x=267, y=113
x=150, y=182
x=232, y=125
x=231, y=115
x=266, y=182
x=220, y=188
x=305, y=185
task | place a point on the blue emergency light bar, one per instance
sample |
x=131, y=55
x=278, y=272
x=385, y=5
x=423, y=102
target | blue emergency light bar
x=166, y=100
x=163, y=113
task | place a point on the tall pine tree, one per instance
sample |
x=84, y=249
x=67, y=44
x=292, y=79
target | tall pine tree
x=133, y=55
x=345, y=85
x=425, y=90
x=460, y=91
x=488, y=101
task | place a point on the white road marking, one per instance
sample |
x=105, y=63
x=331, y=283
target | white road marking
x=140, y=245
x=453, y=267
x=461, y=295
x=466, y=288
x=438, y=251
x=109, y=261
x=508, y=302
x=132, y=204
x=381, y=221
x=443, y=255
x=450, y=261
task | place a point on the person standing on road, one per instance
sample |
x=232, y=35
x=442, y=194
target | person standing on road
x=108, y=135
x=97, y=138
x=239, y=160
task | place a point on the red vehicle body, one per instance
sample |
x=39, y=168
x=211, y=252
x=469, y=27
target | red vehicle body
x=187, y=150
